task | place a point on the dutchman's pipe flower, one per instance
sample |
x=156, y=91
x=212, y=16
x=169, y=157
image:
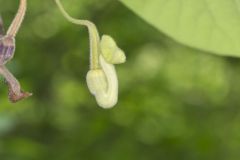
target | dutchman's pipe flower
x=7, y=49
x=101, y=79
x=103, y=84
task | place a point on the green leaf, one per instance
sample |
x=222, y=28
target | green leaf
x=211, y=25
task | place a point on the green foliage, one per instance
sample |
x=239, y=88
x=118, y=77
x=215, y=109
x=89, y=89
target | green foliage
x=211, y=25
x=175, y=102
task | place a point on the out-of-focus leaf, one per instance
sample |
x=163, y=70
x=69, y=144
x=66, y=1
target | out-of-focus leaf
x=212, y=25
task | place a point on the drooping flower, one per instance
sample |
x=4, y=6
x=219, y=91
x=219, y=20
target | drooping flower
x=7, y=50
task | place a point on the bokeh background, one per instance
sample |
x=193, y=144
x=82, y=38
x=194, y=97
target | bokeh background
x=175, y=102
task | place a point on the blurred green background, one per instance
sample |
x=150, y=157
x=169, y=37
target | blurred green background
x=175, y=102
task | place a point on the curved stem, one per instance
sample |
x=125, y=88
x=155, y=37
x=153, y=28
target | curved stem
x=93, y=36
x=17, y=21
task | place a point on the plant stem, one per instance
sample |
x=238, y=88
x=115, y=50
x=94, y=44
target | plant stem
x=93, y=36
x=15, y=25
